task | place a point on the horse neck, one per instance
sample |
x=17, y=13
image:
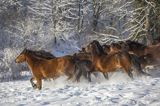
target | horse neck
x=95, y=57
x=30, y=60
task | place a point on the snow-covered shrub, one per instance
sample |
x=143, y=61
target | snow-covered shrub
x=66, y=45
x=8, y=68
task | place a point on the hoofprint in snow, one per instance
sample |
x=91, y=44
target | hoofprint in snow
x=117, y=91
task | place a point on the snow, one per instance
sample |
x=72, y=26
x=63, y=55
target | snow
x=118, y=90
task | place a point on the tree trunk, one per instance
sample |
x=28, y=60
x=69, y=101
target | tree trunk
x=148, y=27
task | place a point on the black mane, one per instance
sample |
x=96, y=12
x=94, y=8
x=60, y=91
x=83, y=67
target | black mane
x=40, y=54
x=135, y=45
x=98, y=47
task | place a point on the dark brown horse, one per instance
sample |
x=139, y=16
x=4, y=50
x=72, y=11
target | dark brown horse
x=109, y=62
x=106, y=62
x=82, y=50
x=115, y=47
x=84, y=66
x=136, y=47
x=107, y=48
x=139, y=55
x=154, y=52
x=149, y=53
x=44, y=68
x=156, y=40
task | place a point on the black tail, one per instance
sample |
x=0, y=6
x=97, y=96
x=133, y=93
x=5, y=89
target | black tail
x=136, y=63
x=82, y=69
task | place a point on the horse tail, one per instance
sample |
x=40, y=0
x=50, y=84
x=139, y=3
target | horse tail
x=78, y=72
x=81, y=69
x=136, y=63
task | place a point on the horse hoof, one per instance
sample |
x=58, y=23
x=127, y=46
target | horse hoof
x=34, y=86
x=148, y=74
x=39, y=88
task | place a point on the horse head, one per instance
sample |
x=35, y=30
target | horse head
x=21, y=58
x=95, y=47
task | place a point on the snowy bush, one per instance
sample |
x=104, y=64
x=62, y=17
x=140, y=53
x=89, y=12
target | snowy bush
x=8, y=67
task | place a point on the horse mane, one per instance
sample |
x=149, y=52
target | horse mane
x=41, y=54
x=98, y=48
x=117, y=45
x=135, y=45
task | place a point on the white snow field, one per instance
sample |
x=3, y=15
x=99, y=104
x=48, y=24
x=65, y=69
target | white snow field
x=119, y=90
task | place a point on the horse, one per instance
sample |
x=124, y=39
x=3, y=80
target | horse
x=115, y=47
x=136, y=47
x=83, y=68
x=40, y=54
x=82, y=50
x=109, y=62
x=84, y=64
x=150, y=53
x=143, y=59
x=43, y=68
x=86, y=61
x=154, y=52
x=156, y=40
x=106, y=48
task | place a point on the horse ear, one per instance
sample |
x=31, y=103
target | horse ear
x=25, y=49
x=97, y=50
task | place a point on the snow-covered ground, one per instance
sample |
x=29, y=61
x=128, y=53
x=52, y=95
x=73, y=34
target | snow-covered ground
x=119, y=90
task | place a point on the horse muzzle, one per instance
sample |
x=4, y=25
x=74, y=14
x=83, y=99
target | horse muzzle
x=16, y=61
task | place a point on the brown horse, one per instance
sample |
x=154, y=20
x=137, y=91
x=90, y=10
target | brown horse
x=156, y=40
x=149, y=53
x=136, y=47
x=154, y=52
x=82, y=50
x=84, y=63
x=84, y=68
x=138, y=55
x=43, y=68
x=107, y=48
x=110, y=62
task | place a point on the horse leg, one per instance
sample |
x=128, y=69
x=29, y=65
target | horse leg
x=32, y=83
x=87, y=73
x=105, y=75
x=78, y=74
x=128, y=71
x=95, y=74
x=137, y=65
x=126, y=65
x=69, y=77
x=39, y=83
x=89, y=76
x=70, y=74
x=140, y=71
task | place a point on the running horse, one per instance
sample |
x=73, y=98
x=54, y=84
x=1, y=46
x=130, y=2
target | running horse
x=154, y=52
x=43, y=68
x=135, y=49
x=86, y=66
x=149, y=53
x=105, y=62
